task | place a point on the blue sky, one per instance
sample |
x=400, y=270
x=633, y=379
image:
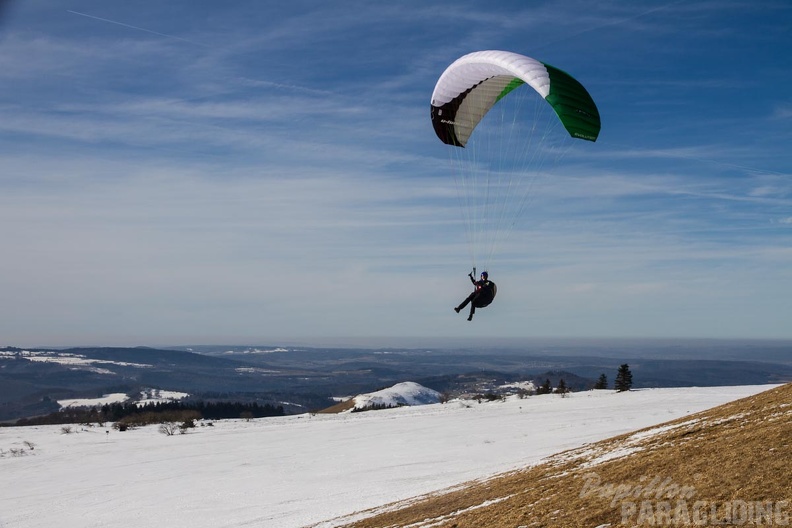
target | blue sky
x=257, y=172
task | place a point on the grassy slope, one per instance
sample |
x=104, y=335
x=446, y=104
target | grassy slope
x=738, y=451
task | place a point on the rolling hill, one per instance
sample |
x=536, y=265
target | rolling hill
x=725, y=466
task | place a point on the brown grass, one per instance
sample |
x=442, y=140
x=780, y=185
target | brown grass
x=339, y=407
x=736, y=457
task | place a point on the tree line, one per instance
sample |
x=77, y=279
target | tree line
x=623, y=382
x=130, y=412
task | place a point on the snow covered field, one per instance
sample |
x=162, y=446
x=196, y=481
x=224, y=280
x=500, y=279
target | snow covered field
x=306, y=470
x=146, y=397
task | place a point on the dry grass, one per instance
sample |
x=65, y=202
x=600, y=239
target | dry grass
x=735, y=457
x=339, y=407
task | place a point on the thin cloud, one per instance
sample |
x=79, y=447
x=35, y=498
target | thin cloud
x=783, y=111
x=152, y=184
x=137, y=28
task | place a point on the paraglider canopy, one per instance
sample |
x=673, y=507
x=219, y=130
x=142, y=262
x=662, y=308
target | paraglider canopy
x=472, y=85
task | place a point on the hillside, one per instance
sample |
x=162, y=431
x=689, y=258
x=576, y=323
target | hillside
x=308, y=470
x=726, y=465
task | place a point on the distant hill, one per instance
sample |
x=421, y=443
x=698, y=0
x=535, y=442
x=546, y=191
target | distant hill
x=33, y=380
x=401, y=394
x=406, y=393
x=725, y=466
x=304, y=379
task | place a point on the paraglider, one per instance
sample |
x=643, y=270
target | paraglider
x=496, y=158
x=481, y=297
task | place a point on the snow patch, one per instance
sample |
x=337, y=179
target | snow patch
x=151, y=396
x=255, y=370
x=258, y=351
x=75, y=361
x=612, y=455
x=644, y=435
x=520, y=385
x=116, y=397
x=147, y=397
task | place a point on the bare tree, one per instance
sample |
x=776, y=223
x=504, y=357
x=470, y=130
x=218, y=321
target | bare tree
x=168, y=428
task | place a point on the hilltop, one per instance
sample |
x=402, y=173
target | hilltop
x=726, y=465
x=402, y=394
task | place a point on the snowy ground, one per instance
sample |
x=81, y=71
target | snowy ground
x=301, y=470
x=146, y=397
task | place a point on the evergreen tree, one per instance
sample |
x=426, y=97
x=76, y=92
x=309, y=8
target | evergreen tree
x=562, y=387
x=623, y=378
x=602, y=382
x=545, y=388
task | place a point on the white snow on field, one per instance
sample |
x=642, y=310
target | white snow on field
x=520, y=385
x=68, y=359
x=305, y=470
x=147, y=397
x=116, y=397
x=407, y=393
x=157, y=395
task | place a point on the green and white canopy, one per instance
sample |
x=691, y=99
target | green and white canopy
x=472, y=85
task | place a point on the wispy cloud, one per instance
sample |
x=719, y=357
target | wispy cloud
x=136, y=28
x=156, y=174
x=783, y=111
